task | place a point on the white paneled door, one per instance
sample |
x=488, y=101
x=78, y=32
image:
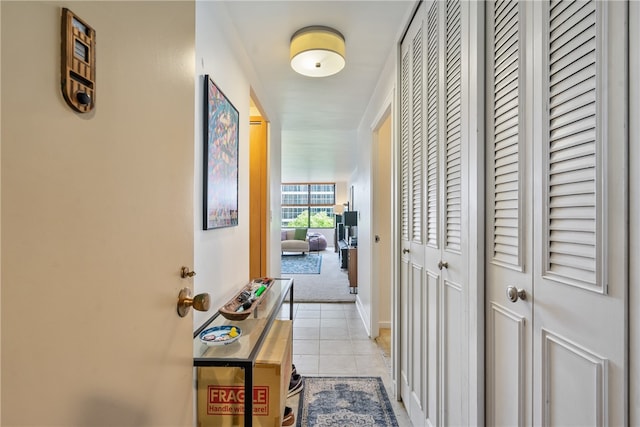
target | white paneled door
x=434, y=289
x=556, y=219
x=415, y=354
x=508, y=218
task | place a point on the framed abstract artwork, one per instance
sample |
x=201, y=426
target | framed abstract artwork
x=220, y=166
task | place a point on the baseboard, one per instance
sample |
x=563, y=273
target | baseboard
x=384, y=325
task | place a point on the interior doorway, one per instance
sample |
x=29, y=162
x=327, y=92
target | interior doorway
x=381, y=228
x=258, y=188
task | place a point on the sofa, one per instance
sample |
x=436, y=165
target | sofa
x=294, y=240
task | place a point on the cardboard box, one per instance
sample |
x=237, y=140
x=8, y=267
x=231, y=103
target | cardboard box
x=221, y=389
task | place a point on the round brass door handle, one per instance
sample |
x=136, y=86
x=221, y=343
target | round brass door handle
x=405, y=251
x=514, y=294
x=443, y=264
x=201, y=302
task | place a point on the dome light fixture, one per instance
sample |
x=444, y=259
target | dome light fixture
x=317, y=51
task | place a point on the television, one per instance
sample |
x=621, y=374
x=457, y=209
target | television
x=351, y=218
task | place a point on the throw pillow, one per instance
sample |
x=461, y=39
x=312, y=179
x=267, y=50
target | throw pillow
x=300, y=234
x=283, y=235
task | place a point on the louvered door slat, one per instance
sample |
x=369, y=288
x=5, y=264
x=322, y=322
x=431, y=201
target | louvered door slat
x=571, y=52
x=502, y=10
x=432, y=126
x=505, y=235
x=404, y=136
x=506, y=61
x=562, y=147
x=505, y=196
x=506, y=128
x=557, y=9
x=417, y=137
x=506, y=131
x=576, y=188
x=581, y=69
x=506, y=102
x=569, y=249
x=572, y=175
x=506, y=223
x=569, y=201
x=507, y=249
x=574, y=20
x=507, y=177
x=506, y=33
x=570, y=236
x=564, y=216
x=570, y=109
x=453, y=80
x=579, y=153
x=507, y=153
x=568, y=89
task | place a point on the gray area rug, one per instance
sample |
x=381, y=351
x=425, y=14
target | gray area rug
x=344, y=401
x=331, y=285
x=301, y=264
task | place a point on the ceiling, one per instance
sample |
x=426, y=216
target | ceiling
x=319, y=116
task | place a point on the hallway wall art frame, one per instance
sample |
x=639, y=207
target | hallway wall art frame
x=220, y=159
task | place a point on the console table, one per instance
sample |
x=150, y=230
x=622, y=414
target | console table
x=244, y=351
x=349, y=261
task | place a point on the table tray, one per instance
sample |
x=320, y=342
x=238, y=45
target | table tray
x=229, y=310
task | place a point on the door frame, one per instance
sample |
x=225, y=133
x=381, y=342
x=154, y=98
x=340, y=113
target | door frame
x=634, y=225
x=386, y=111
x=473, y=135
x=258, y=159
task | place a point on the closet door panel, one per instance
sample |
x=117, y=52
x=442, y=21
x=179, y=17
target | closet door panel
x=580, y=154
x=508, y=228
x=413, y=275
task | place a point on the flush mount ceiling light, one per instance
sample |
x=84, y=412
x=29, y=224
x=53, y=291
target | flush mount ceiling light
x=317, y=51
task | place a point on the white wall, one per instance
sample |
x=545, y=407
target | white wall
x=222, y=255
x=362, y=180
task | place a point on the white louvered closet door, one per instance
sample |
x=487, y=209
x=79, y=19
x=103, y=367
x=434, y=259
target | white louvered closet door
x=556, y=213
x=434, y=272
x=416, y=329
x=453, y=264
x=509, y=196
x=414, y=336
x=580, y=193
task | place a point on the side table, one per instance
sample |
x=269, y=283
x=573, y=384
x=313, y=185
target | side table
x=244, y=351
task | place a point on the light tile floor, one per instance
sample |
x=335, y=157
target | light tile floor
x=329, y=339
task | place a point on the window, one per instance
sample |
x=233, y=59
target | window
x=308, y=205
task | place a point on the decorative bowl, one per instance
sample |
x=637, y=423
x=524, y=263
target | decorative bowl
x=219, y=335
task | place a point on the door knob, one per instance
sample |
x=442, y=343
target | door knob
x=405, y=251
x=200, y=302
x=184, y=272
x=514, y=293
x=443, y=264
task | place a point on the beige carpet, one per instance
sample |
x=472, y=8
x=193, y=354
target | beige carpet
x=331, y=285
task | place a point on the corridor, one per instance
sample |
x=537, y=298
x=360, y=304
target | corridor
x=330, y=340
